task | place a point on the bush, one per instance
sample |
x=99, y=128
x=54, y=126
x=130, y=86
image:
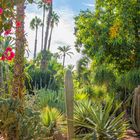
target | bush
x=99, y=121
x=20, y=123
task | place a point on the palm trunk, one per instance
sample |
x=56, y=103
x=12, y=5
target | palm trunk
x=47, y=27
x=50, y=38
x=42, y=42
x=64, y=57
x=18, y=88
x=1, y=79
x=44, y=58
x=35, y=43
x=1, y=76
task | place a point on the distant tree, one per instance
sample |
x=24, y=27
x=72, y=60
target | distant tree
x=64, y=51
x=34, y=24
x=54, y=21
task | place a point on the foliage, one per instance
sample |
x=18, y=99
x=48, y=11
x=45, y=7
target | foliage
x=99, y=121
x=51, y=78
x=104, y=75
x=52, y=119
x=51, y=99
x=7, y=14
x=110, y=39
x=18, y=122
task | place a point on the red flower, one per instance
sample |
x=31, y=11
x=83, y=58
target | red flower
x=8, y=49
x=7, y=32
x=2, y=58
x=47, y=1
x=18, y=24
x=1, y=11
x=8, y=54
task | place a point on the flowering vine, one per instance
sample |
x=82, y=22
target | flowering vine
x=6, y=25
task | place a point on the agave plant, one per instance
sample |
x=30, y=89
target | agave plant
x=99, y=121
x=52, y=119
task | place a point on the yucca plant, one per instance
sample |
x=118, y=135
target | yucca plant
x=52, y=119
x=99, y=121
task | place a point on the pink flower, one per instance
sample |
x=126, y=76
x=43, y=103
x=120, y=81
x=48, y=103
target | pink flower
x=1, y=11
x=18, y=24
x=8, y=49
x=7, y=32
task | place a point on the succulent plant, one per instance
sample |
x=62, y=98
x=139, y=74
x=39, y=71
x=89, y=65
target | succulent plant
x=69, y=91
x=136, y=110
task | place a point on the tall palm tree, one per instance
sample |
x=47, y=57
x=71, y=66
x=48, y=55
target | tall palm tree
x=18, y=87
x=44, y=57
x=34, y=24
x=18, y=78
x=48, y=25
x=54, y=21
x=44, y=6
x=64, y=51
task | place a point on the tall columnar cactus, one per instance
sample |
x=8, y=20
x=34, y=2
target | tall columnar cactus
x=136, y=110
x=69, y=103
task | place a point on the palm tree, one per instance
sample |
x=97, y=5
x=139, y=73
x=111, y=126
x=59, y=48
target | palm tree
x=54, y=21
x=64, y=51
x=42, y=4
x=48, y=26
x=18, y=78
x=18, y=87
x=44, y=59
x=34, y=24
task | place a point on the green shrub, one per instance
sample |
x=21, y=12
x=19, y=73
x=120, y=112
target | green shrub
x=20, y=123
x=104, y=75
x=51, y=98
x=99, y=121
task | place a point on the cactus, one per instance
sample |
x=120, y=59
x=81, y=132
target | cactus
x=69, y=103
x=136, y=110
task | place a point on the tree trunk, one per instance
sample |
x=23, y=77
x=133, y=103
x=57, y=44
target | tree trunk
x=1, y=79
x=18, y=87
x=47, y=27
x=35, y=49
x=50, y=38
x=42, y=42
x=64, y=57
x=44, y=58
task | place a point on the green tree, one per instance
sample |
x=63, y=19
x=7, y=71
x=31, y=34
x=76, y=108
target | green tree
x=54, y=21
x=110, y=39
x=64, y=51
x=34, y=24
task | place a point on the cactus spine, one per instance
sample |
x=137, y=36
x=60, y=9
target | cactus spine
x=69, y=91
x=136, y=110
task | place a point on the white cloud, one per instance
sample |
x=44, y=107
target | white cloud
x=89, y=4
x=62, y=34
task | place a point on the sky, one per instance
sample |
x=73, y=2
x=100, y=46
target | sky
x=63, y=34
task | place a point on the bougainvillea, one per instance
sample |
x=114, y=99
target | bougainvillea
x=8, y=54
x=7, y=19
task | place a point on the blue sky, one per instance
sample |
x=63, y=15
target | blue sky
x=75, y=5
x=63, y=34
